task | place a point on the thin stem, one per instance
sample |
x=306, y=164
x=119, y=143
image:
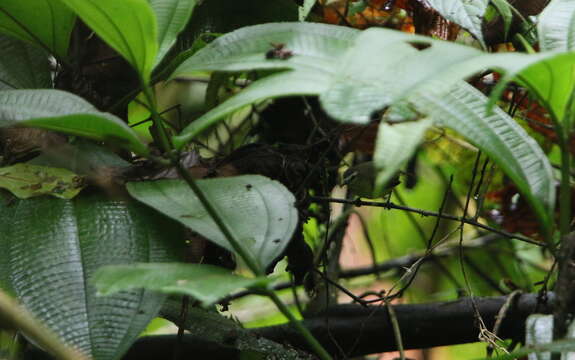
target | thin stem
x=312, y=341
x=390, y=205
x=13, y=314
x=210, y=208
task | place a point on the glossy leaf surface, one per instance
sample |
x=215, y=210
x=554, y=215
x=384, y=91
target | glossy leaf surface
x=45, y=23
x=65, y=112
x=205, y=283
x=128, y=26
x=51, y=247
x=23, y=66
x=258, y=210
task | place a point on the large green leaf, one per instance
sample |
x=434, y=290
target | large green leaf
x=23, y=66
x=205, y=283
x=395, y=145
x=367, y=70
x=314, y=46
x=556, y=26
x=258, y=210
x=172, y=16
x=50, y=248
x=128, y=26
x=65, y=112
x=464, y=110
x=467, y=13
x=46, y=23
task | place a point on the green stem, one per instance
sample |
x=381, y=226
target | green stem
x=565, y=191
x=12, y=314
x=312, y=341
x=252, y=264
x=250, y=261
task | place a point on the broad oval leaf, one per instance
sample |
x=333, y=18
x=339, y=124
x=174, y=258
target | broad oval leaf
x=128, y=26
x=556, y=26
x=394, y=146
x=65, y=112
x=205, y=283
x=171, y=16
x=51, y=247
x=258, y=210
x=467, y=13
x=463, y=109
x=45, y=23
x=23, y=66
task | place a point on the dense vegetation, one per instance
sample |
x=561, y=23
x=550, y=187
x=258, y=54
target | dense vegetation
x=183, y=159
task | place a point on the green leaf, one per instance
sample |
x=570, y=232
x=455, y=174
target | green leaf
x=128, y=26
x=556, y=26
x=50, y=247
x=464, y=110
x=260, y=211
x=467, y=13
x=314, y=46
x=506, y=14
x=25, y=180
x=305, y=9
x=65, y=112
x=282, y=84
x=172, y=16
x=395, y=145
x=205, y=283
x=23, y=66
x=45, y=23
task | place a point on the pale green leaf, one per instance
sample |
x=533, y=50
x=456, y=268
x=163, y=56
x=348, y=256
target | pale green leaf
x=23, y=66
x=65, y=112
x=205, y=283
x=25, y=180
x=467, y=13
x=45, y=23
x=128, y=26
x=314, y=46
x=395, y=145
x=556, y=26
x=258, y=210
x=171, y=16
x=463, y=109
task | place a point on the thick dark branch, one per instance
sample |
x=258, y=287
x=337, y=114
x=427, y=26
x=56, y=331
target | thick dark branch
x=358, y=330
